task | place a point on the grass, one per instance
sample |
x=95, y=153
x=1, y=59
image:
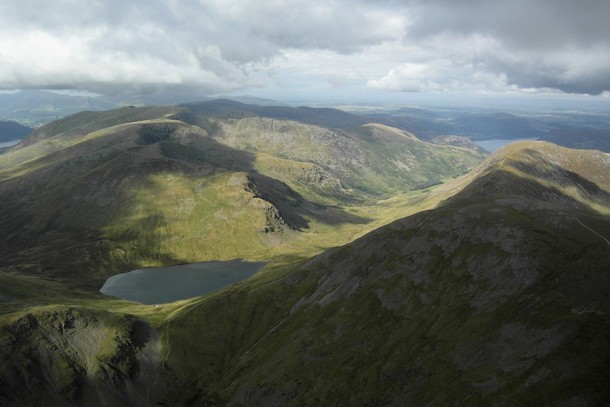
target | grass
x=441, y=351
x=451, y=304
x=373, y=160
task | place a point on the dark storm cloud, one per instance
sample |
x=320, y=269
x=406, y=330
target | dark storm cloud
x=214, y=46
x=521, y=23
x=559, y=44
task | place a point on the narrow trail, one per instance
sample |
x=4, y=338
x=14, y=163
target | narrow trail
x=592, y=231
x=509, y=154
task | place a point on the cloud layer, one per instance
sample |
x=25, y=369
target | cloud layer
x=215, y=46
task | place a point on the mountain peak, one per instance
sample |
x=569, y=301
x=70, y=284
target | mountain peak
x=542, y=155
x=542, y=174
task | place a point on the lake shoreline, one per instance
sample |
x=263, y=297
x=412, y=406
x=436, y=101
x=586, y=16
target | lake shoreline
x=160, y=285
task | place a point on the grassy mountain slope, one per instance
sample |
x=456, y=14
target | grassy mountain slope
x=99, y=193
x=325, y=117
x=87, y=355
x=133, y=194
x=497, y=296
x=72, y=128
x=372, y=159
x=133, y=187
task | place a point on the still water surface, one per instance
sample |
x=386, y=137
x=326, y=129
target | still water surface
x=9, y=143
x=160, y=285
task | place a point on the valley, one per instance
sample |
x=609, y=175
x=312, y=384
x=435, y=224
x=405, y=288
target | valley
x=287, y=203
x=399, y=272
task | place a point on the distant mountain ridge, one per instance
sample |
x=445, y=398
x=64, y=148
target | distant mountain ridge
x=10, y=131
x=326, y=117
x=598, y=139
x=34, y=108
x=573, y=130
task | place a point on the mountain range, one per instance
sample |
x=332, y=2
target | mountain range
x=438, y=124
x=11, y=131
x=400, y=272
x=37, y=107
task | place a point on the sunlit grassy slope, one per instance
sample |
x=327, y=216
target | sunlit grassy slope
x=492, y=292
x=88, y=200
x=496, y=296
x=95, y=194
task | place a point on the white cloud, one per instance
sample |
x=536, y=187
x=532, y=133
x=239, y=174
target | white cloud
x=217, y=46
x=210, y=45
x=557, y=44
x=406, y=78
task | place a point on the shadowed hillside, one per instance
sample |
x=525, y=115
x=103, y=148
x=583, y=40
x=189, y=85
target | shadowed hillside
x=324, y=117
x=10, y=131
x=98, y=193
x=498, y=295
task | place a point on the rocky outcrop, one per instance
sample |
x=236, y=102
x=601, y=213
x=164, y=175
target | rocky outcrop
x=76, y=356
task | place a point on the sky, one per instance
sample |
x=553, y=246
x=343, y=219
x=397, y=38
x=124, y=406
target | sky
x=341, y=50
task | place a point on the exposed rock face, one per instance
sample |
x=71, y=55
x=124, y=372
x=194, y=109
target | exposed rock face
x=79, y=357
x=274, y=222
x=372, y=158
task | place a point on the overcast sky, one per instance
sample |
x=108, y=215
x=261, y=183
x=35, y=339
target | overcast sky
x=347, y=49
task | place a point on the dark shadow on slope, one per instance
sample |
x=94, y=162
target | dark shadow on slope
x=551, y=171
x=52, y=222
x=293, y=207
x=190, y=117
x=80, y=124
x=500, y=183
x=53, y=215
x=152, y=134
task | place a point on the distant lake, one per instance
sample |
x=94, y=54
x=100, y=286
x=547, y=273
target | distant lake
x=9, y=143
x=160, y=285
x=492, y=145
